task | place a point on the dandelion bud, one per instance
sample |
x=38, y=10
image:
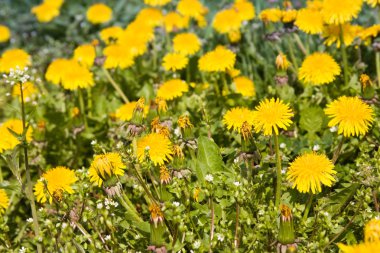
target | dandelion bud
x=165, y=177
x=161, y=105
x=282, y=63
x=367, y=90
x=286, y=233
x=372, y=231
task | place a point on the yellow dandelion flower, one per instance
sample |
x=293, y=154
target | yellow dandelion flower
x=340, y=11
x=85, y=54
x=117, y=56
x=151, y=16
x=12, y=58
x=139, y=32
x=234, y=72
x=245, y=9
x=319, y=69
x=271, y=15
x=372, y=3
x=331, y=33
x=369, y=32
x=366, y=247
x=186, y=43
x=174, y=61
x=28, y=91
x=226, y=21
x=174, y=21
x=54, y=183
x=110, y=34
x=191, y=8
x=104, y=166
x=309, y=21
x=4, y=201
x=236, y=117
x=270, y=115
x=99, y=13
x=125, y=112
x=219, y=60
x=5, y=33
x=372, y=231
x=56, y=70
x=157, y=2
x=244, y=86
x=234, y=36
x=172, y=89
x=157, y=146
x=7, y=139
x=184, y=122
x=289, y=16
x=46, y=11
x=76, y=76
x=365, y=80
x=56, y=3
x=352, y=116
x=310, y=171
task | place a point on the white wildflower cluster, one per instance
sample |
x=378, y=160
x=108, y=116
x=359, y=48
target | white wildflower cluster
x=29, y=220
x=107, y=237
x=22, y=250
x=110, y=202
x=197, y=244
x=316, y=147
x=237, y=183
x=209, y=178
x=176, y=204
x=220, y=237
x=17, y=75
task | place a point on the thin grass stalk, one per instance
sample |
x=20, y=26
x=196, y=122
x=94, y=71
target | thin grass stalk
x=344, y=56
x=278, y=171
x=115, y=85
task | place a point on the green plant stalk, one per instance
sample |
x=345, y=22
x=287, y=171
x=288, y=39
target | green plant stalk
x=115, y=85
x=134, y=216
x=29, y=187
x=307, y=208
x=82, y=107
x=212, y=223
x=337, y=151
x=89, y=101
x=344, y=56
x=300, y=44
x=278, y=170
x=378, y=67
x=236, y=239
x=1, y=175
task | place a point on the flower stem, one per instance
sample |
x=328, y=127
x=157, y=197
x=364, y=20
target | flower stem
x=308, y=205
x=344, y=56
x=337, y=151
x=115, y=85
x=29, y=187
x=212, y=225
x=279, y=175
x=82, y=107
x=300, y=44
x=378, y=67
x=130, y=209
x=236, y=239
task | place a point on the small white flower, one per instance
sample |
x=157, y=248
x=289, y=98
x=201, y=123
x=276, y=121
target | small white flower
x=93, y=142
x=176, y=204
x=30, y=220
x=147, y=148
x=282, y=145
x=99, y=205
x=316, y=147
x=22, y=250
x=119, y=145
x=220, y=237
x=177, y=132
x=237, y=183
x=209, y=178
x=107, y=237
x=64, y=225
x=333, y=129
x=283, y=171
x=197, y=244
x=236, y=160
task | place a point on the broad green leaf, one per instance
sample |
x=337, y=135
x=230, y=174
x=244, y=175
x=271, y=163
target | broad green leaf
x=209, y=159
x=340, y=198
x=312, y=119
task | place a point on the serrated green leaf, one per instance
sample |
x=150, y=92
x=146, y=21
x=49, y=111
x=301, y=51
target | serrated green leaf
x=209, y=159
x=312, y=119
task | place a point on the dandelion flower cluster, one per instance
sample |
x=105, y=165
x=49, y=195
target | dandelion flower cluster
x=172, y=89
x=219, y=60
x=104, y=166
x=174, y=61
x=318, y=69
x=13, y=58
x=310, y=171
x=54, y=183
x=271, y=115
x=5, y=33
x=99, y=13
x=7, y=139
x=157, y=146
x=4, y=201
x=352, y=116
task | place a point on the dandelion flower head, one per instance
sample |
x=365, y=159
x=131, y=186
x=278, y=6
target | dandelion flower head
x=186, y=43
x=308, y=172
x=235, y=118
x=4, y=201
x=157, y=146
x=104, y=166
x=220, y=59
x=309, y=21
x=99, y=13
x=244, y=86
x=174, y=61
x=172, y=89
x=13, y=58
x=5, y=33
x=340, y=11
x=125, y=112
x=85, y=55
x=7, y=139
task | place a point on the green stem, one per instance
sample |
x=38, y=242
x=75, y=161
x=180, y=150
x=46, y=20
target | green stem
x=212, y=223
x=337, y=151
x=344, y=56
x=308, y=205
x=115, y=85
x=82, y=107
x=84, y=232
x=130, y=209
x=89, y=101
x=378, y=67
x=292, y=56
x=300, y=44
x=29, y=187
x=188, y=73
x=279, y=175
x=236, y=240
x=1, y=175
